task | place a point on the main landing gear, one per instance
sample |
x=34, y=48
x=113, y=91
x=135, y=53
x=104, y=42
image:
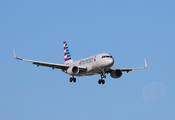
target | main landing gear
x=72, y=79
x=102, y=76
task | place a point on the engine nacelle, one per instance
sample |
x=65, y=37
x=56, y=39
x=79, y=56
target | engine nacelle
x=73, y=70
x=116, y=73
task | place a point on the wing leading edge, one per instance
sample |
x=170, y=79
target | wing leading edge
x=47, y=64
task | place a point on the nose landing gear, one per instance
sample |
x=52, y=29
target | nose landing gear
x=101, y=81
x=102, y=76
x=72, y=79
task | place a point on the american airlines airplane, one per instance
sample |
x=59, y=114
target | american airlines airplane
x=97, y=64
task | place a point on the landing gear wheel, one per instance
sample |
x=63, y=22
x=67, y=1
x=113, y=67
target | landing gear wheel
x=99, y=81
x=103, y=82
x=74, y=80
x=70, y=79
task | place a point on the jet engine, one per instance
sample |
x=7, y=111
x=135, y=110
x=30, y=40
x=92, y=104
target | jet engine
x=73, y=70
x=116, y=73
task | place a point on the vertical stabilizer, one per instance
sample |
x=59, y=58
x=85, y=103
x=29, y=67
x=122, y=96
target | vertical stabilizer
x=67, y=55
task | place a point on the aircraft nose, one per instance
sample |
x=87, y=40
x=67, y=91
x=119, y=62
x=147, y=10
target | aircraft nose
x=111, y=62
x=108, y=63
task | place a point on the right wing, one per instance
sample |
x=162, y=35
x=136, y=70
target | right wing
x=127, y=69
x=130, y=69
x=46, y=64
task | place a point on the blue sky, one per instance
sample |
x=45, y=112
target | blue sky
x=129, y=30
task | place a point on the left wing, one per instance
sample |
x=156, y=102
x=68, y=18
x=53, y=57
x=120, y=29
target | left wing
x=46, y=64
x=128, y=69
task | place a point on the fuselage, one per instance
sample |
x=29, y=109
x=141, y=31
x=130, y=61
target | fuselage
x=94, y=64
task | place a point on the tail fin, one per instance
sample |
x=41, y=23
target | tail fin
x=67, y=55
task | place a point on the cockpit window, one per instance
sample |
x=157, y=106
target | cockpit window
x=106, y=57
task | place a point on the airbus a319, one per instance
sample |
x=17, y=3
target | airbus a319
x=97, y=64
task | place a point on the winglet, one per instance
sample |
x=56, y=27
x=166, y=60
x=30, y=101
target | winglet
x=145, y=64
x=14, y=53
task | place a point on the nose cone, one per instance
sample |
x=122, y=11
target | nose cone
x=108, y=63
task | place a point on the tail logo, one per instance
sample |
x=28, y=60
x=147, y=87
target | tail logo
x=67, y=55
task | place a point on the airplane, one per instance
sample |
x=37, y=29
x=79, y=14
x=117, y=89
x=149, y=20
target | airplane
x=97, y=64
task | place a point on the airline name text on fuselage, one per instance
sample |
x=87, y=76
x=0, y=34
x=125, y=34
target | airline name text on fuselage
x=89, y=60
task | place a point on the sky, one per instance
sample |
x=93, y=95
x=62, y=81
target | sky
x=129, y=30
